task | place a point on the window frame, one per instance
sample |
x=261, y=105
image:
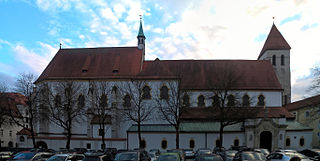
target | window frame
x=203, y=102
x=146, y=94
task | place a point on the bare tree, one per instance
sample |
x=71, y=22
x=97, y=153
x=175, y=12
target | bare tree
x=3, y=87
x=100, y=92
x=137, y=109
x=227, y=108
x=24, y=85
x=316, y=79
x=171, y=106
x=66, y=105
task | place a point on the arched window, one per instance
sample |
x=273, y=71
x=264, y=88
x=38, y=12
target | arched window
x=307, y=114
x=126, y=101
x=282, y=59
x=164, y=92
x=261, y=100
x=236, y=142
x=231, y=100
x=143, y=144
x=164, y=144
x=201, y=102
x=273, y=60
x=114, y=89
x=186, y=100
x=57, y=100
x=21, y=139
x=288, y=142
x=81, y=101
x=146, y=92
x=301, y=141
x=191, y=144
x=216, y=101
x=103, y=100
x=218, y=143
x=245, y=101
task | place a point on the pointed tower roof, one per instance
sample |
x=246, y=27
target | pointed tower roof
x=140, y=34
x=275, y=41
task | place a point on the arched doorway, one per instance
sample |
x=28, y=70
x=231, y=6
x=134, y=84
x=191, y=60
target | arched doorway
x=42, y=144
x=10, y=144
x=266, y=140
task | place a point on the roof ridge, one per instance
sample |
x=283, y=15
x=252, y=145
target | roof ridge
x=99, y=47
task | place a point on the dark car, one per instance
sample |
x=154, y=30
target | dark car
x=313, y=154
x=208, y=157
x=189, y=153
x=133, y=156
x=249, y=156
x=96, y=157
x=24, y=156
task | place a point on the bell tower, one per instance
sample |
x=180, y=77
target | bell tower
x=141, y=38
x=277, y=50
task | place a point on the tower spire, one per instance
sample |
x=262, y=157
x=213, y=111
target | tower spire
x=141, y=38
x=140, y=29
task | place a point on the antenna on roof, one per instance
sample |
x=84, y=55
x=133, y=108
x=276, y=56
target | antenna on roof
x=140, y=17
x=273, y=19
x=60, y=45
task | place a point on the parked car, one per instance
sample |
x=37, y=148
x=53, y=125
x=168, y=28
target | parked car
x=155, y=151
x=169, y=157
x=249, y=155
x=96, y=157
x=209, y=157
x=180, y=151
x=133, y=156
x=5, y=155
x=313, y=154
x=219, y=151
x=189, y=153
x=286, y=156
x=66, y=157
x=24, y=156
x=153, y=156
x=263, y=151
x=42, y=156
x=202, y=151
x=229, y=155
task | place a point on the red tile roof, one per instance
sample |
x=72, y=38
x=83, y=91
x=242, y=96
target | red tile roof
x=275, y=41
x=311, y=101
x=207, y=113
x=9, y=101
x=203, y=74
x=24, y=132
x=93, y=63
x=78, y=138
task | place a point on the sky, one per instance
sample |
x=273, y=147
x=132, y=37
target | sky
x=31, y=31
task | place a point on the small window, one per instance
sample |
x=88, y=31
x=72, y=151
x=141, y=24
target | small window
x=282, y=59
x=21, y=139
x=1, y=132
x=216, y=101
x=81, y=101
x=261, y=100
x=273, y=60
x=218, y=143
x=10, y=133
x=285, y=99
x=288, y=142
x=245, y=101
x=301, y=141
x=143, y=144
x=57, y=100
x=164, y=93
x=164, y=144
x=186, y=100
x=126, y=101
x=101, y=132
x=307, y=114
x=250, y=137
x=191, y=144
x=103, y=100
x=146, y=92
x=114, y=89
x=231, y=101
x=201, y=102
x=88, y=146
x=236, y=142
x=281, y=136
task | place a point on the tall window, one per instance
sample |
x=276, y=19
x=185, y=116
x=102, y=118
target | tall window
x=218, y=143
x=186, y=100
x=282, y=59
x=81, y=101
x=216, y=101
x=288, y=142
x=301, y=141
x=236, y=142
x=245, y=101
x=273, y=60
x=126, y=101
x=143, y=144
x=307, y=114
x=114, y=89
x=164, y=92
x=261, y=100
x=146, y=92
x=103, y=100
x=231, y=100
x=191, y=144
x=201, y=102
x=164, y=144
x=57, y=100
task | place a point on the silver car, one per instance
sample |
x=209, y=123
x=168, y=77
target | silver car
x=286, y=156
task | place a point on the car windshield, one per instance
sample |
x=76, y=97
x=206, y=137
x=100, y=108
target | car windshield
x=57, y=158
x=126, y=156
x=205, y=152
x=231, y=153
x=253, y=156
x=299, y=155
x=24, y=156
x=167, y=158
x=210, y=158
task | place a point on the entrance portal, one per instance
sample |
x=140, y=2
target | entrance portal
x=42, y=144
x=266, y=140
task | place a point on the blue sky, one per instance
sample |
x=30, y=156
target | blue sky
x=31, y=31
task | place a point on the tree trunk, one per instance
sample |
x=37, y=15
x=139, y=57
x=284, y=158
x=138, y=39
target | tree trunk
x=221, y=133
x=177, y=137
x=68, y=135
x=102, y=136
x=139, y=134
x=32, y=134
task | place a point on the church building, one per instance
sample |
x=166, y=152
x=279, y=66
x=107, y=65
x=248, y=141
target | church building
x=263, y=84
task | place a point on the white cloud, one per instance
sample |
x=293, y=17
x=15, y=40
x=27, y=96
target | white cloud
x=53, y=5
x=119, y=9
x=108, y=14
